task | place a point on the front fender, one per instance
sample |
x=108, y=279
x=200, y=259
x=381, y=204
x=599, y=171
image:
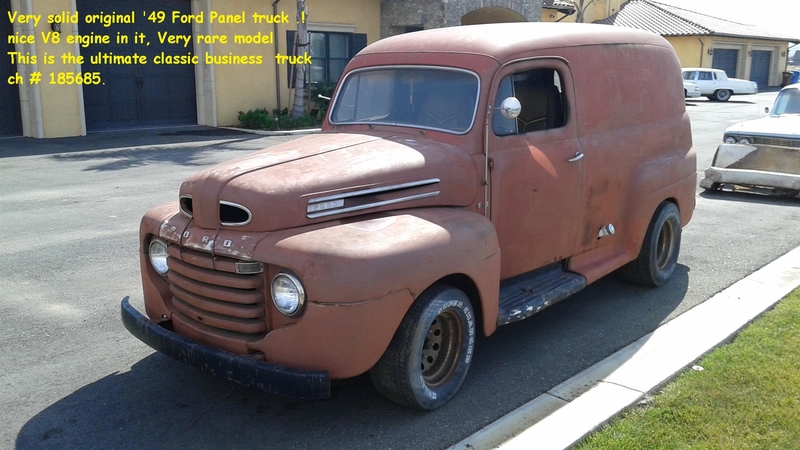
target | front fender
x=360, y=261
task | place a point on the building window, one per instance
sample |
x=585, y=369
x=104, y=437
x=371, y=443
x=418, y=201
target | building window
x=330, y=53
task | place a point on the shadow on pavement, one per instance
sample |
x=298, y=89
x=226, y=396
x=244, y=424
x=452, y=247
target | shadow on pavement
x=107, y=160
x=22, y=146
x=160, y=403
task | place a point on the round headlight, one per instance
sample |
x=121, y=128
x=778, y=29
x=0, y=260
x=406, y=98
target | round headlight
x=744, y=141
x=288, y=294
x=730, y=140
x=158, y=256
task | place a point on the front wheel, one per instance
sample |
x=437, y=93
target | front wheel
x=429, y=356
x=659, y=254
x=722, y=95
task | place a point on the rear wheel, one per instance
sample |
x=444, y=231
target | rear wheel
x=430, y=354
x=659, y=254
x=722, y=95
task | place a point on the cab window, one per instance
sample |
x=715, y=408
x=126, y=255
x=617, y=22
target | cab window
x=541, y=96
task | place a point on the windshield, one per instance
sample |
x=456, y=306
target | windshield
x=787, y=102
x=422, y=97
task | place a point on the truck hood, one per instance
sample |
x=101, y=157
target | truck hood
x=329, y=176
x=786, y=126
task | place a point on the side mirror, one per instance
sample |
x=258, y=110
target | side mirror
x=766, y=110
x=510, y=108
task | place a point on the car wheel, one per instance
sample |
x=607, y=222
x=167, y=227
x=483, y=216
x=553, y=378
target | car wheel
x=429, y=356
x=722, y=95
x=659, y=254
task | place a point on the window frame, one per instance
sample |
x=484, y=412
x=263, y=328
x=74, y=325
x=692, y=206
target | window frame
x=343, y=83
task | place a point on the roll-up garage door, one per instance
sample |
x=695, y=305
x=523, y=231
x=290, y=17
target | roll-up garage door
x=727, y=60
x=136, y=95
x=759, y=67
x=10, y=115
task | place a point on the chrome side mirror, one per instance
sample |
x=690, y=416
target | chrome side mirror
x=510, y=108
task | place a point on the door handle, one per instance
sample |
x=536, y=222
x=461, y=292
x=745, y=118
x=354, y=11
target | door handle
x=578, y=157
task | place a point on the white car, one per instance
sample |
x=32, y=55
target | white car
x=762, y=153
x=781, y=127
x=716, y=85
x=690, y=90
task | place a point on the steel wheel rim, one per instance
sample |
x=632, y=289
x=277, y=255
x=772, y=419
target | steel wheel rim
x=441, y=349
x=665, y=246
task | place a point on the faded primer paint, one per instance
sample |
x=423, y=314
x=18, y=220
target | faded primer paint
x=350, y=212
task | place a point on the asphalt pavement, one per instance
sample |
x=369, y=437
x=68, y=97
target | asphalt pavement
x=72, y=377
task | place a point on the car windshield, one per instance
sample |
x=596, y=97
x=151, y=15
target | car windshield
x=421, y=97
x=688, y=75
x=787, y=102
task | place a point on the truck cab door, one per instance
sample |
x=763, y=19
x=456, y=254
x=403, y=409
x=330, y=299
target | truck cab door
x=536, y=166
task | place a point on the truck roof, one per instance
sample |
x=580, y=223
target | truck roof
x=503, y=41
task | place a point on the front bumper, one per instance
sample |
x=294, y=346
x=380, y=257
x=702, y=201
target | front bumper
x=247, y=372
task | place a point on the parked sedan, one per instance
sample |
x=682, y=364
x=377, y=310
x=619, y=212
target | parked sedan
x=690, y=90
x=716, y=85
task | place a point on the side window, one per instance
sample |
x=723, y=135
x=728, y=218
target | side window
x=689, y=76
x=705, y=76
x=539, y=91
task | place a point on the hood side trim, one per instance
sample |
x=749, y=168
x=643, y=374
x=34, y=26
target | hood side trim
x=372, y=205
x=394, y=187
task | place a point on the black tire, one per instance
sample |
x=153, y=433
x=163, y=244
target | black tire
x=659, y=254
x=722, y=95
x=431, y=352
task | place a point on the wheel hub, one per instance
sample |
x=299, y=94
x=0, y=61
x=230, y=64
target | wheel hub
x=441, y=349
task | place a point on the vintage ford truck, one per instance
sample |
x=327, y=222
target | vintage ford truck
x=465, y=178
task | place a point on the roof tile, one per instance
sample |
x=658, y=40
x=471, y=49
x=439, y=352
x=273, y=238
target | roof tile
x=668, y=20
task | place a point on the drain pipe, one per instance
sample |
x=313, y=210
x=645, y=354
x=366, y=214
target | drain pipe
x=277, y=66
x=702, y=50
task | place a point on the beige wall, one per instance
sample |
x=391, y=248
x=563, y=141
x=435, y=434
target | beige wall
x=693, y=51
x=48, y=110
x=222, y=90
x=239, y=88
x=60, y=103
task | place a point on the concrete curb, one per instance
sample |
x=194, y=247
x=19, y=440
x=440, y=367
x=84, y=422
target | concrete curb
x=568, y=412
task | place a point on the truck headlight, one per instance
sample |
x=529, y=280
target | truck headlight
x=288, y=294
x=744, y=141
x=158, y=255
x=730, y=140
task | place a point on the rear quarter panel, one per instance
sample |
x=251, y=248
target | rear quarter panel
x=636, y=137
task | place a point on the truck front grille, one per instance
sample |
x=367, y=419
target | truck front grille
x=212, y=297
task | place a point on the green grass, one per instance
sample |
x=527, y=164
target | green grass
x=747, y=396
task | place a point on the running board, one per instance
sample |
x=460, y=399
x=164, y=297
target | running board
x=525, y=295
